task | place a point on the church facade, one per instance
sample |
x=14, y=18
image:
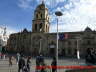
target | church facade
x=40, y=40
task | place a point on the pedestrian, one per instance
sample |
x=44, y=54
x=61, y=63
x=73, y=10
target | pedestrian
x=90, y=56
x=28, y=63
x=21, y=64
x=39, y=62
x=0, y=55
x=43, y=67
x=17, y=57
x=54, y=64
x=10, y=60
x=4, y=56
x=93, y=56
x=41, y=59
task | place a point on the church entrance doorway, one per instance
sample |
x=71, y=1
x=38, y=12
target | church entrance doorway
x=52, y=50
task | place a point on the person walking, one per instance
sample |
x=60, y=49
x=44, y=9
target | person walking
x=21, y=64
x=54, y=64
x=39, y=62
x=28, y=63
x=17, y=57
x=10, y=60
x=90, y=56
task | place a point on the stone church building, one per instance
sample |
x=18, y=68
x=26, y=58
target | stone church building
x=40, y=40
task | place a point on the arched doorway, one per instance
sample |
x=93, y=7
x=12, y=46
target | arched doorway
x=52, y=49
x=63, y=52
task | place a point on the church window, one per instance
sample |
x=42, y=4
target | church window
x=41, y=15
x=75, y=51
x=46, y=16
x=69, y=51
x=63, y=52
x=46, y=27
x=75, y=42
x=36, y=27
x=36, y=15
x=40, y=25
x=69, y=43
x=88, y=42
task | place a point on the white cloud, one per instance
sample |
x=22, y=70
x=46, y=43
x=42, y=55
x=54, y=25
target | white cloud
x=25, y=4
x=82, y=14
x=57, y=1
x=11, y=30
x=67, y=6
x=51, y=3
x=77, y=14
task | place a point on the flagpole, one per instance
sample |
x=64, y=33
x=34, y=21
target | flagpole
x=58, y=13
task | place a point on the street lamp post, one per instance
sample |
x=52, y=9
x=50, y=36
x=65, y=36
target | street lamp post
x=57, y=13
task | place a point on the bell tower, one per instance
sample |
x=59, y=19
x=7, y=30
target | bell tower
x=41, y=19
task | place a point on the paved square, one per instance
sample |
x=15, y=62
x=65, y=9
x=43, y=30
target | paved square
x=4, y=65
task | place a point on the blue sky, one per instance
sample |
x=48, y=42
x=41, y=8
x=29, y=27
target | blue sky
x=77, y=14
x=13, y=16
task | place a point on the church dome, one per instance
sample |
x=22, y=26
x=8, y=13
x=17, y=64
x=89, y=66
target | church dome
x=41, y=6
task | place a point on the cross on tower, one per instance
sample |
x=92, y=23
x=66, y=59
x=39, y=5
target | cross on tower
x=42, y=1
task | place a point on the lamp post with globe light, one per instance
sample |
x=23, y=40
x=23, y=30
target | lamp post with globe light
x=58, y=14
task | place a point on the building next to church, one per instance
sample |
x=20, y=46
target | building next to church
x=3, y=38
x=40, y=40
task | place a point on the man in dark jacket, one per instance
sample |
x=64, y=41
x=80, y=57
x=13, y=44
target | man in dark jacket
x=90, y=56
x=54, y=64
x=39, y=61
x=28, y=63
x=21, y=64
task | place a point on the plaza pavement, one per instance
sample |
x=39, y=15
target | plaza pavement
x=4, y=65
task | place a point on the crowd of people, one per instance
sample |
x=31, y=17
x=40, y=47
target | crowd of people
x=41, y=66
x=24, y=63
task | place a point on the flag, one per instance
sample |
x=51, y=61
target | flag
x=63, y=36
x=66, y=36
